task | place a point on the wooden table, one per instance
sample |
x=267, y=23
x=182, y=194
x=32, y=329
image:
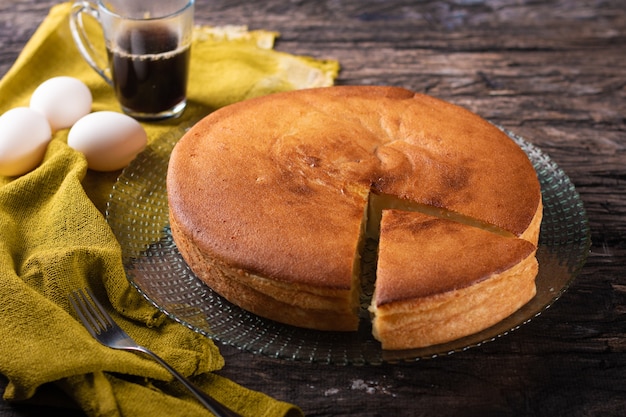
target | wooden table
x=552, y=71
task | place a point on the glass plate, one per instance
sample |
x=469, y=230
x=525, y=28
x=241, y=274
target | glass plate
x=137, y=211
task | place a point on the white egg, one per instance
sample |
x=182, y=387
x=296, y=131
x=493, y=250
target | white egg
x=63, y=100
x=109, y=140
x=24, y=137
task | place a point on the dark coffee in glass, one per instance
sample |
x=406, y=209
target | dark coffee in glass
x=148, y=47
x=146, y=79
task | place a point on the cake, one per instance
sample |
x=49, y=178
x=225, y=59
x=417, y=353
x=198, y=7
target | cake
x=271, y=201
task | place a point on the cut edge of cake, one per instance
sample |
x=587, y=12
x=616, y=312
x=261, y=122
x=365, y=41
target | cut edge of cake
x=404, y=320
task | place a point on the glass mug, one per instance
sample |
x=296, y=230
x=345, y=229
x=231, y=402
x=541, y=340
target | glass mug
x=148, y=47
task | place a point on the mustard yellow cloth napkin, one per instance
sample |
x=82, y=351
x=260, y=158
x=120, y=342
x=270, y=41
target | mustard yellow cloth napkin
x=54, y=239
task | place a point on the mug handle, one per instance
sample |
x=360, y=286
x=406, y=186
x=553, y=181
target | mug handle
x=79, y=34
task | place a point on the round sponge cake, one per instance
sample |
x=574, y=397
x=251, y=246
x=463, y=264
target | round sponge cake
x=272, y=198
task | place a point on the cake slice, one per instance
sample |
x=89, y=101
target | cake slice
x=438, y=280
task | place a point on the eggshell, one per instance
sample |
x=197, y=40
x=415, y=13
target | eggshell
x=63, y=100
x=109, y=140
x=24, y=136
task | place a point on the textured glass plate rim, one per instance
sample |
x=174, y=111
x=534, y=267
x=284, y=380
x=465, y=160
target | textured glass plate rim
x=138, y=215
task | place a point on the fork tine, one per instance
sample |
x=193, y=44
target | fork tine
x=90, y=311
x=106, y=319
x=77, y=302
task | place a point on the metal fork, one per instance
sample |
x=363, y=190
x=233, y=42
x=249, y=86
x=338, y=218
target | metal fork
x=102, y=327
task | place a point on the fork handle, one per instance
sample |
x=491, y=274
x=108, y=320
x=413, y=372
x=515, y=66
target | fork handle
x=210, y=403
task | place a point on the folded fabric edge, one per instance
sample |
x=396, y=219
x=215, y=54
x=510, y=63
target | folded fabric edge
x=102, y=393
x=235, y=33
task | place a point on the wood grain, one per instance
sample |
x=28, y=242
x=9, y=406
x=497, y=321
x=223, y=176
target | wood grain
x=552, y=71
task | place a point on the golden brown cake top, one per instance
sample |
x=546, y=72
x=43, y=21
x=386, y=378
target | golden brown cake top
x=422, y=256
x=278, y=185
